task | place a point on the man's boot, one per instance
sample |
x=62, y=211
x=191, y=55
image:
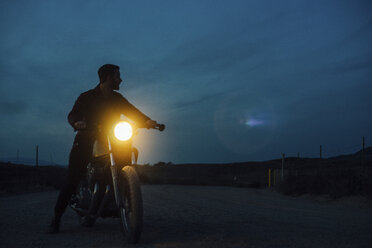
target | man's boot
x=54, y=225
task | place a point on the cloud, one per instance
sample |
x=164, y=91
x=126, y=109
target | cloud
x=12, y=108
x=209, y=55
x=199, y=57
x=185, y=104
x=203, y=99
x=350, y=67
x=360, y=33
x=215, y=53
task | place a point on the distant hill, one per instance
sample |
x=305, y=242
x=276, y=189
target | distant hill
x=25, y=161
x=367, y=155
x=353, y=156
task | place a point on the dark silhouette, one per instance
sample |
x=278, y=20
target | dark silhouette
x=100, y=106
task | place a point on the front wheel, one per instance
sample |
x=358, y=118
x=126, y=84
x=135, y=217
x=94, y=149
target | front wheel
x=130, y=209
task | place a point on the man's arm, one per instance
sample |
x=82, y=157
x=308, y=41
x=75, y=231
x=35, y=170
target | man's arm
x=133, y=113
x=76, y=117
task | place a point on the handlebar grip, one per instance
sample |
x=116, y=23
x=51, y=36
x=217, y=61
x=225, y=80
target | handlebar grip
x=161, y=127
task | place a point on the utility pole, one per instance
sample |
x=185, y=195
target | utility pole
x=283, y=156
x=37, y=156
x=320, y=151
x=17, y=155
x=363, y=145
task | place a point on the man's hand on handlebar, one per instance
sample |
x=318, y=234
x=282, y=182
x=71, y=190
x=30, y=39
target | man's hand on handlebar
x=150, y=124
x=79, y=125
x=153, y=124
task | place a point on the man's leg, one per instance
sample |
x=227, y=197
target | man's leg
x=79, y=158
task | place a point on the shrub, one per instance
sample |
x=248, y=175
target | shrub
x=333, y=182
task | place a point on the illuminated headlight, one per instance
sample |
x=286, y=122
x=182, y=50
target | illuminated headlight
x=123, y=131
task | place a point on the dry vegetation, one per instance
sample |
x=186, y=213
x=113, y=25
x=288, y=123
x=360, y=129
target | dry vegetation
x=16, y=178
x=333, y=177
x=336, y=177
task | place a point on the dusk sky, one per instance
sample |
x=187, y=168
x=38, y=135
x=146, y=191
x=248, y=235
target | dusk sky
x=232, y=80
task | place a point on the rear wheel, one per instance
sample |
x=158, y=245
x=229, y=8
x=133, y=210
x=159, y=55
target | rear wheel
x=130, y=210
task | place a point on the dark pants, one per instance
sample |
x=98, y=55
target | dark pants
x=80, y=156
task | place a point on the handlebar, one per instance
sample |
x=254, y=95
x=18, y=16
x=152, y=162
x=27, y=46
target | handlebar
x=160, y=127
x=95, y=128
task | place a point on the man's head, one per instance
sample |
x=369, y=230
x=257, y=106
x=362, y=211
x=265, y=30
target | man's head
x=109, y=74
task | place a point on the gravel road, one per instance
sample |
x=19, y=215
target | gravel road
x=197, y=216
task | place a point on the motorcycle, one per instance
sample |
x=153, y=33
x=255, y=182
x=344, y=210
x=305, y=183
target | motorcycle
x=111, y=187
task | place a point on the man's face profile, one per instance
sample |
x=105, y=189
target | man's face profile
x=115, y=80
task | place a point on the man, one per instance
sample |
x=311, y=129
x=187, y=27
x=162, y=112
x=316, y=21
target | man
x=96, y=107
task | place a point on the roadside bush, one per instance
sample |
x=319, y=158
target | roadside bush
x=22, y=178
x=335, y=183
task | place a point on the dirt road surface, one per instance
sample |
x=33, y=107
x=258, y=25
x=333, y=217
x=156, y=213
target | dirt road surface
x=196, y=216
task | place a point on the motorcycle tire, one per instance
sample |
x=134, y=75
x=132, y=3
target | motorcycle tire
x=84, y=197
x=131, y=209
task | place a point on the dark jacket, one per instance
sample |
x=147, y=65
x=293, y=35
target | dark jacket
x=93, y=108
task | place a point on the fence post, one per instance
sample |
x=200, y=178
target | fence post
x=37, y=156
x=269, y=178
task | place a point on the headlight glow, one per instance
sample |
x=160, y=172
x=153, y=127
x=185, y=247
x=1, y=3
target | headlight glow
x=123, y=131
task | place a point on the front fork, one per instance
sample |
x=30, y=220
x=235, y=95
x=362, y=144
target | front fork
x=114, y=173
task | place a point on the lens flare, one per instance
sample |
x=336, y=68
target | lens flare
x=123, y=131
x=254, y=122
x=245, y=122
